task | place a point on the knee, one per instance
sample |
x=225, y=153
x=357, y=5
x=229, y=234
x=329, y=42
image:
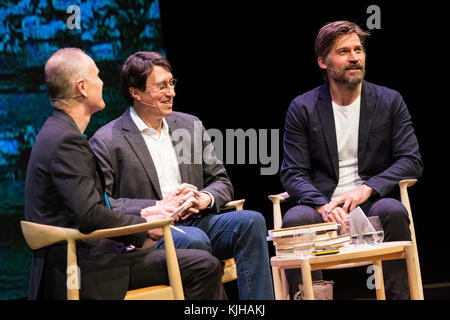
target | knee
x=211, y=264
x=255, y=218
x=200, y=243
x=253, y=221
x=390, y=210
x=194, y=238
x=300, y=215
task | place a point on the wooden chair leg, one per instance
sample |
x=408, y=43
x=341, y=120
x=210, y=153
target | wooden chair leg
x=277, y=285
x=415, y=291
x=284, y=284
x=172, y=265
x=73, y=276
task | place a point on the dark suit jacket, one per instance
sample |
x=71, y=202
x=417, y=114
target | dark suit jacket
x=387, y=147
x=131, y=177
x=64, y=188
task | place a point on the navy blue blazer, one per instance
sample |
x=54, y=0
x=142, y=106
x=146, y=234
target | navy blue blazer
x=387, y=146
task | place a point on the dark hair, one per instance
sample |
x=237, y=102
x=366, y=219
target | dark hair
x=330, y=32
x=137, y=67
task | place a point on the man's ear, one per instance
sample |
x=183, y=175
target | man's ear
x=81, y=87
x=321, y=63
x=134, y=92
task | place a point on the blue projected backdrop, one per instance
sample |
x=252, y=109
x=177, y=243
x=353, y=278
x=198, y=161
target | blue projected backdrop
x=30, y=31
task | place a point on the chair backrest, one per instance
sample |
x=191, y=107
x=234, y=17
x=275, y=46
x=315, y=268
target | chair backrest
x=404, y=197
x=39, y=236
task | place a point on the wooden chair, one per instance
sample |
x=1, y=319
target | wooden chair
x=229, y=265
x=404, y=184
x=39, y=236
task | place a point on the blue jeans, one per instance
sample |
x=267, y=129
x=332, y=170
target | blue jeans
x=238, y=234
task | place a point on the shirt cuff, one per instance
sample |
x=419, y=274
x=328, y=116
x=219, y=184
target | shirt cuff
x=211, y=205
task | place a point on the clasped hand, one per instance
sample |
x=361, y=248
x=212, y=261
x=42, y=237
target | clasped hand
x=171, y=202
x=332, y=212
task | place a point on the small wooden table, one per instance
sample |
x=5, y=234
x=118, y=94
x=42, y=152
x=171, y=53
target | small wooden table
x=351, y=256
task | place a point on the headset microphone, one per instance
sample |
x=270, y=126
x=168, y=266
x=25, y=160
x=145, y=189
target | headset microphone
x=147, y=104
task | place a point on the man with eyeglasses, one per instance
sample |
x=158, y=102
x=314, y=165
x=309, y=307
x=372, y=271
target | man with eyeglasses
x=150, y=157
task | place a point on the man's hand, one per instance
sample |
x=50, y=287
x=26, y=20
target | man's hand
x=201, y=202
x=156, y=213
x=337, y=215
x=204, y=200
x=178, y=196
x=351, y=199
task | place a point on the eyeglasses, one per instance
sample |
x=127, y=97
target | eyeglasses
x=165, y=86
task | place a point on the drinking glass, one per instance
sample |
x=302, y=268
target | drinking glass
x=377, y=236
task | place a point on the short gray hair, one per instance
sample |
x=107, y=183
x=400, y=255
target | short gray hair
x=61, y=70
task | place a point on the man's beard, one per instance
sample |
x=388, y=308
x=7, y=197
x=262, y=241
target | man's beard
x=350, y=79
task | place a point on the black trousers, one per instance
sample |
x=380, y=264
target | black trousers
x=201, y=273
x=107, y=271
x=394, y=218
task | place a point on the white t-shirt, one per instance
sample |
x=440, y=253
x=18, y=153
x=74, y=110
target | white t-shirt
x=346, y=119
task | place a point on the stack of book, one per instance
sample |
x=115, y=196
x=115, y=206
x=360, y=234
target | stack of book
x=295, y=241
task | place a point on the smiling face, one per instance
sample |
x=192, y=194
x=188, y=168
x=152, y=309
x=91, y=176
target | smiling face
x=152, y=99
x=346, y=61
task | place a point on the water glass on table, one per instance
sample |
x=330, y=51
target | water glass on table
x=375, y=237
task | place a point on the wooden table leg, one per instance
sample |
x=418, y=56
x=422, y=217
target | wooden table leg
x=277, y=285
x=284, y=284
x=379, y=281
x=413, y=276
x=307, y=280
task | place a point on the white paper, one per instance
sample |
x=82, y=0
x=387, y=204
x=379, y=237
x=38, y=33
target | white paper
x=359, y=223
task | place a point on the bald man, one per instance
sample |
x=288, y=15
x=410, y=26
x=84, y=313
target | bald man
x=65, y=187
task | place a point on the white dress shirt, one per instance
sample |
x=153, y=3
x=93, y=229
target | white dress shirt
x=163, y=154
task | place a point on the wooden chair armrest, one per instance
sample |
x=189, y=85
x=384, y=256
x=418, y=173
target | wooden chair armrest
x=276, y=200
x=39, y=235
x=281, y=197
x=407, y=183
x=126, y=230
x=235, y=204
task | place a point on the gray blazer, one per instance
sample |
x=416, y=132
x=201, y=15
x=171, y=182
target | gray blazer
x=130, y=175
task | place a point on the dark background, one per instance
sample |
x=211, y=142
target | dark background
x=240, y=64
